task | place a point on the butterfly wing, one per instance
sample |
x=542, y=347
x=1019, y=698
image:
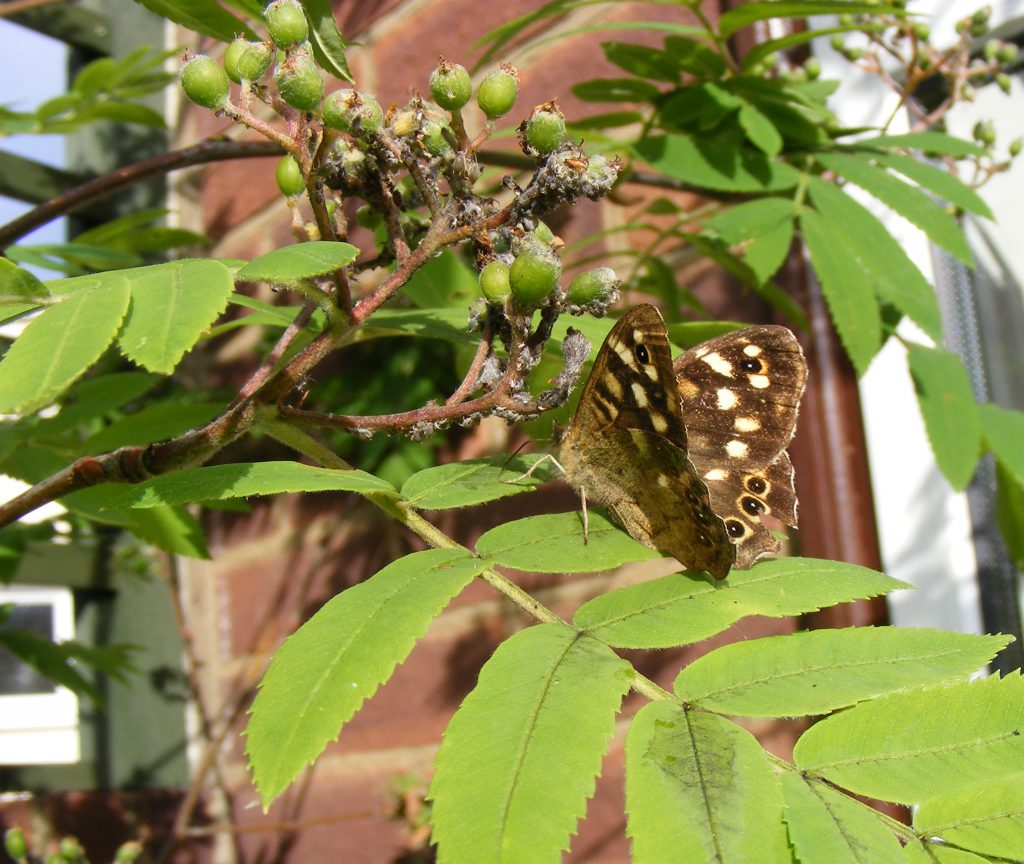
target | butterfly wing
x=626, y=447
x=740, y=396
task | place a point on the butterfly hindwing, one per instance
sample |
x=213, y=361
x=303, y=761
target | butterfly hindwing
x=740, y=397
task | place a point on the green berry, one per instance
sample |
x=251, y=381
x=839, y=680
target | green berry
x=533, y=275
x=1004, y=82
x=128, y=852
x=990, y=49
x=922, y=31
x=14, y=843
x=352, y=111
x=544, y=131
x=590, y=285
x=1015, y=147
x=299, y=82
x=497, y=92
x=434, y=139
x=286, y=23
x=544, y=233
x=494, y=282
x=1007, y=52
x=984, y=133
x=289, y=177
x=981, y=15
x=70, y=849
x=837, y=42
x=247, y=61
x=450, y=85
x=812, y=66
x=205, y=83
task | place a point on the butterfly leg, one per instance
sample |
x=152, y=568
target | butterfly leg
x=547, y=457
x=586, y=519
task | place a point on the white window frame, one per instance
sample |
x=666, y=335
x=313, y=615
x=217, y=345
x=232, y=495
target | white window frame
x=41, y=728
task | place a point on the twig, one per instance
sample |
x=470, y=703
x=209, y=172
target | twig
x=213, y=150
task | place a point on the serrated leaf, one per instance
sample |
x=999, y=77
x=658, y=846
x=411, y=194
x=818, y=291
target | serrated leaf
x=950, y=413
x=825, y=825
x=699, y=783
x=615, y=90
x=201, y=16
x=986, y=817
x=715, y=165
x=324, y=671
x=779, y=46
x=769, y=251
x=909, y=201
x=299, y=261
x=156, y=422
x=904, y=746
x=894, y=276
x=19, y=286
x=463, y=484
x=937, y=180
x=445, y=281
x=846, y=286
x=172, y=529
x=325, y=37
x=446, y=324
x=749, y=219
x=96, y=396
x=239, y=480
x=1010, y=513
x=932, y=143
x=554, y=544
x=1003, y=431
x=761, y=132
x=172, y=305
x=817, y=671
x=681, y=609
x=642, y=61
x=519, y=758
x=749, y=13
x=60, y=344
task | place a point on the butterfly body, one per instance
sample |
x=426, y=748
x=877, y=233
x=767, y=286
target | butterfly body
x=689, y=457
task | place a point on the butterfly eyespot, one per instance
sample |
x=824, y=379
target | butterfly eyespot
x=757, y=485
x=642, y=354
x=751, y=505
x=751, y=365
x=734, y=528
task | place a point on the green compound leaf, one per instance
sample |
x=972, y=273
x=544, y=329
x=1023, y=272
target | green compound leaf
x=682, y=609
x=462, y=484
x=716, y=165
x=241, y=479
x=826, y=825
x=846, y=285
x=894, y=277
x=986, y=817
x=325, y=37
x=299, y=261
x=519, y=758
x=61, y=343
x=924, y=852
x=932, y=143
x=936, y=180
x=698, y=782
x=324, y=671
x=903, y=198
x=554, y=544
x=950, y=413
x=817, y=671
x=1003, y=431
x=749, y=13
x=904, y=746
x=172, y=306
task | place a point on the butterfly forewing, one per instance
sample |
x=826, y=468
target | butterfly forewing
x=626, y=448
x=740, y=397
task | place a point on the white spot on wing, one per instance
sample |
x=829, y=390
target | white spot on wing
x=759, y=381
x=613, y=386
x=727, y=399
x=737, y=449
x=717, y=362
x=716, y=474
x=751, y=350
x=659, y=422
x=639, y=394
x=747, y=424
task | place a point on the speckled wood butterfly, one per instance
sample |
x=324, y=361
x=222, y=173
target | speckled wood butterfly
x=689, y=456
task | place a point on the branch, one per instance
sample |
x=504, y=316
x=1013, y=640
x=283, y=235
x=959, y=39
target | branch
x=213, y=150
